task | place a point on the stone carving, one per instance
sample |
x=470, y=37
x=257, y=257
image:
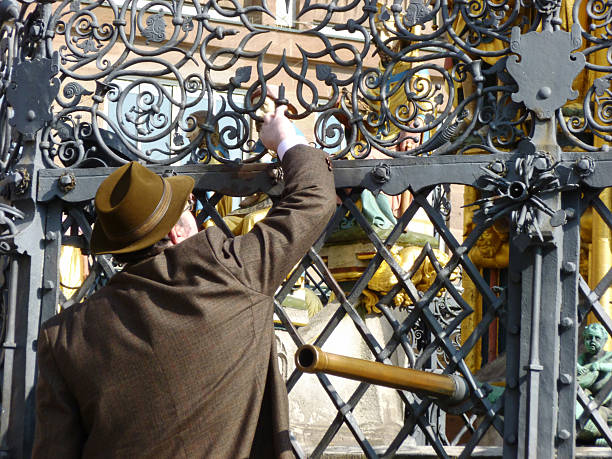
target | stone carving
x=594, y=369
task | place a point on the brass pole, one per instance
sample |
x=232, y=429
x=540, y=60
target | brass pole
x=311, y=359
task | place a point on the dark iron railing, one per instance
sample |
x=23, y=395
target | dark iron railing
x=512, y=98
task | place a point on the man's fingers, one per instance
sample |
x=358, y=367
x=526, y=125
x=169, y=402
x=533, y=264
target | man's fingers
x=280, y=110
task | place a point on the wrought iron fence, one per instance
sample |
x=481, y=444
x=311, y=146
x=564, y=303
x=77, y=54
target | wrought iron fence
x=510, y=98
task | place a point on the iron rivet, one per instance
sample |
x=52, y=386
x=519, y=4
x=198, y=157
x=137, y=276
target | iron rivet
x=512, y=439
x=31, y=115
x=515, y=276
x=584, y=166
x=568, y=267
x=498, y=167
x=50, y=236
x=48, y=285
x=381, y=173
x=559, y=218
x=565, y=378
x=544, y=92
x=67, y=182
x=514, y=329
x=564, y=434
x=511, y=383
x=570, y=212
x=567, y=323
x=540, y=164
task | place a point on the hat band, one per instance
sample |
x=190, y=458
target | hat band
x=150, y=222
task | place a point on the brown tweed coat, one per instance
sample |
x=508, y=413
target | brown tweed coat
x=175, y=357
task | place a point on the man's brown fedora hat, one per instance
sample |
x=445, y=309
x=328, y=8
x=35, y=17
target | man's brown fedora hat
x=136, y=208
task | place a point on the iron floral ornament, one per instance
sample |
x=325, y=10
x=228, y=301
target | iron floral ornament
x=523, y=198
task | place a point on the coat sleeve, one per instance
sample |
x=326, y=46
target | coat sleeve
x=59, y=432
x=262, y=258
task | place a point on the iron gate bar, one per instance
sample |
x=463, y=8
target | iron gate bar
x=292, y=380
x=9, y=346
x=594, y=305
x=439, y=334
x=424, y=405
x=208, y=209
x=51, y=274
x=513, y=348
x=415, y=173
x=361, y=327
x=568, y=330
x=534, y=368
x=363, y=172
x=594, y=415
x=344, y=408
x=482, y=429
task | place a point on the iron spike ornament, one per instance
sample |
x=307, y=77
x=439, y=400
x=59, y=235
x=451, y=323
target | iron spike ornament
x=547, y=68
x=522, y=195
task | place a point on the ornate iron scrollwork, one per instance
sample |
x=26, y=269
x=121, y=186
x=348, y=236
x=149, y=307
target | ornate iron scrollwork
x=8, y=227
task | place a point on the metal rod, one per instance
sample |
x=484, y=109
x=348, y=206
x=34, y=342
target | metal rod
x=311, y=359
x=534, y=367
x=9, y=352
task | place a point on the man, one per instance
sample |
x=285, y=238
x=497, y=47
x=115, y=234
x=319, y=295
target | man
x=175, y=357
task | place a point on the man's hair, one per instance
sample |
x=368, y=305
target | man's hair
x=134, y=257
x=595, y=329
x=159, y=246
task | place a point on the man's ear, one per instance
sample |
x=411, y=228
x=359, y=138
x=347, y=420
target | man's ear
x=174, y=235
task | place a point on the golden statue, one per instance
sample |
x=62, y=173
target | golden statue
x=492, y=248
x=384, y=279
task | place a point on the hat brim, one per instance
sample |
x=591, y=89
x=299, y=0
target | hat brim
x=181, y=187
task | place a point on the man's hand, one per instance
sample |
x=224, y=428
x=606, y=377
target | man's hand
x=276, y=128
